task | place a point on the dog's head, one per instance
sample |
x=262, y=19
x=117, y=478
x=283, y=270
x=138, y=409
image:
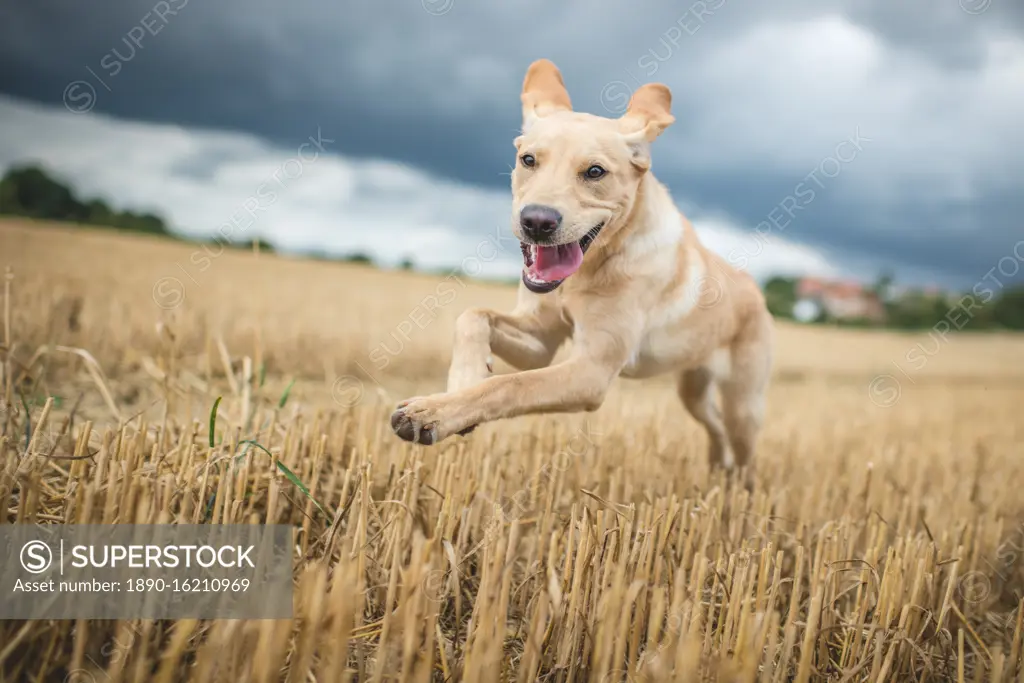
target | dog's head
x=576, y=175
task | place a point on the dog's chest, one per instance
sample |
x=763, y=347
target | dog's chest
x=662, y=350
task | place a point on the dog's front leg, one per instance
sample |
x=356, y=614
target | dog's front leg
x=579, y=383
x=527, y=338
x=567, y=387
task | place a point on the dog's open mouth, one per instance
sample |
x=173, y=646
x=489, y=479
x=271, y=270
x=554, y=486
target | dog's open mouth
x=546, y=267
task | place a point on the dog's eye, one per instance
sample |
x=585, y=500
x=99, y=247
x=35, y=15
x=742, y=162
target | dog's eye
x=528, y=160
x=594, y=172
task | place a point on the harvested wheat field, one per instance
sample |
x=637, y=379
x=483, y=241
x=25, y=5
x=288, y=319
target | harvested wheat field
x=883, y=539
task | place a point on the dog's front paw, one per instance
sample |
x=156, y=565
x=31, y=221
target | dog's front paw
x=418, y=420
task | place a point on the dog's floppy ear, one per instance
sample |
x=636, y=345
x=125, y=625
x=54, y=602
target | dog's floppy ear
x=649, y=113
x=543, y=92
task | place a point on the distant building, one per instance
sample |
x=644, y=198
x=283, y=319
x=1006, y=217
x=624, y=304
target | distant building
x=840, y=300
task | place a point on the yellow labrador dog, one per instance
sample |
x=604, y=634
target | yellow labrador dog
x=610, y=263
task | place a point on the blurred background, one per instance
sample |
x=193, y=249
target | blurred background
x=864, y=154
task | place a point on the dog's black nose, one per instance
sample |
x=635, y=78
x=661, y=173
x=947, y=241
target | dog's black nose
x=539, y=222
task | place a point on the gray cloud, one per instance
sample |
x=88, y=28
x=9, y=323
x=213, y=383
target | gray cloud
x=763, y=95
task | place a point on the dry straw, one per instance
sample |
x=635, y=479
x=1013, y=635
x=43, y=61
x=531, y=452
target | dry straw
x=872, y=547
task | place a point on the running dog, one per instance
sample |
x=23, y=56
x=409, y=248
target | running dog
x=612, y=264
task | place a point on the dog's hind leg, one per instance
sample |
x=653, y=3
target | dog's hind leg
x=744, y=390
x=697, y=391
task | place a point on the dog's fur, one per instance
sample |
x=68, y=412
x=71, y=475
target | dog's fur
x=648, y=298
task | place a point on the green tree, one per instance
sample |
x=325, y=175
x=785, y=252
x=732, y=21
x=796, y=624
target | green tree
x=1008, y=309
x=883, y=284
x=99, y=213
x=265, y=247
x=780, y=295
x=358, y=257
x=31, y=192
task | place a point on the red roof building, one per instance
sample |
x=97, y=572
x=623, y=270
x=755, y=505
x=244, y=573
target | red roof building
x=842, y=300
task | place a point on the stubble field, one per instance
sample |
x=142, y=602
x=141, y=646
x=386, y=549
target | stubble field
x=883, y=538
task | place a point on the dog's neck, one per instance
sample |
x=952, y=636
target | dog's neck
x=642, y=224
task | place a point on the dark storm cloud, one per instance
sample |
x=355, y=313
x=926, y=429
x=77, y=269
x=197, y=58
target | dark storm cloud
x=435, y=84
x=951, y=33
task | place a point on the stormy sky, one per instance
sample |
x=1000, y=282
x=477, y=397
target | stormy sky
x=903, y=119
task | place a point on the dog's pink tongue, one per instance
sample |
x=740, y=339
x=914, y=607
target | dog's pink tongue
x=557, y=263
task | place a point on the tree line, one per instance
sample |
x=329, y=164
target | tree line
x=30, y=192
x=992, y=304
